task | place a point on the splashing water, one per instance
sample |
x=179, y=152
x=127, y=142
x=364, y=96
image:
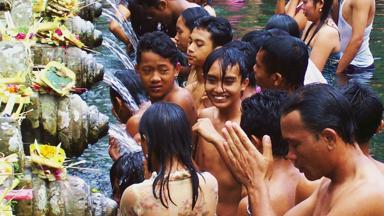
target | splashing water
x=119, y=53
x=126, y=96
x=127, y=143
x=125, y=24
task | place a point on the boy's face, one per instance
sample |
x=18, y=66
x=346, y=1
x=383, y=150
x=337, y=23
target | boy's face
x=157, y=75
x=182, y=34
x=263, y=79
x=200, y=46
x=224, y=91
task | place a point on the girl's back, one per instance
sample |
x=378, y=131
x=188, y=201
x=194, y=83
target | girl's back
x=142, y=201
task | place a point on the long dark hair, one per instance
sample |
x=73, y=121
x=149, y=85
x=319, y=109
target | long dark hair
x=168, y=135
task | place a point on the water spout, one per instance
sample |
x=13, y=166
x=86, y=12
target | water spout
x=126, y=96
x=127, y=143
x=119, y=53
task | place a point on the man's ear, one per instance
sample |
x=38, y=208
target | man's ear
x=257, y=142
x=244, y=84
x=277, y=79
x=177, y=69
x=330, y=137
x=137, y=68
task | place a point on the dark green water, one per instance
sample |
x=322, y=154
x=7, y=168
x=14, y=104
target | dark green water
x=244, y=16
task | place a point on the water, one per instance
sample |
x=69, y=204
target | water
x=244, y=16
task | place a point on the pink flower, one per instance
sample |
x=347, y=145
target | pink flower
x=20, y=36
x=58, y=32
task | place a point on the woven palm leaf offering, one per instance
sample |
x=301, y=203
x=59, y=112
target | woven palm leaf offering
x=56, y=34
x=55, y=78
x=47, y=161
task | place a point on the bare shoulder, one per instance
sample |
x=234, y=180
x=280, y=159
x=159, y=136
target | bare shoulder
x=128, y=201
x=369, y=198
x=181, y=97
x=207, y=112
x=329, y=30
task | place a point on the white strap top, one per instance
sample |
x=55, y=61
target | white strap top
x=364, y=56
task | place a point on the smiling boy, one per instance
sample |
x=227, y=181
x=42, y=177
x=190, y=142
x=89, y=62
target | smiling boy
x=225, y=80
x=209, y=33
x=158, y=67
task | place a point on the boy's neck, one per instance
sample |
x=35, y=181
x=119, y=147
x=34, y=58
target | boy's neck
x=199, y=74
x=232, y=112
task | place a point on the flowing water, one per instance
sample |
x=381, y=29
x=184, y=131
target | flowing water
x=244, y=15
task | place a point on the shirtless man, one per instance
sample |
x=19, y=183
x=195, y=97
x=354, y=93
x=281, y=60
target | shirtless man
x=367, y=110
x=209, y=33
x=225, y=79
x=355, y=20
x=281, y=63
x=166, y=11
x=260, y=116
x=158, y=67
x=321, y=143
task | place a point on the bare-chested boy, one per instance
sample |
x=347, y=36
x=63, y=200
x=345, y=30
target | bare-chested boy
x=210, y=32
x=367, y=110
x=225, y=79
x=158, y=67
x=316, y=122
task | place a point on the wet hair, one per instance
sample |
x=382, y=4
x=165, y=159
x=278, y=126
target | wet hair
x=322, y=106
x=126, y=170
x=190, y=16
x=148, y=3
x=249, y=57
x=256, y=38
x=219, y=28
x=160, y=43
x=131, y=81
x=288, y=56
x=227, y=57
x=366, y=108
x=261, y=116
x=283, y=22
x=168, y=134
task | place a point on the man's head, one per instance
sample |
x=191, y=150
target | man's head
x=281, y=63
x=185, y=24
x=249, y=57
x=157, y=64
x=283, y=22
x=366, y=108
x=125, y=80
x=159, y=10
x=261, y=116
x=210, y=32
x=318, y=125
x=226, y=76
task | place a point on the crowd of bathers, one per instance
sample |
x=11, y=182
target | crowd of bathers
x=260, y=125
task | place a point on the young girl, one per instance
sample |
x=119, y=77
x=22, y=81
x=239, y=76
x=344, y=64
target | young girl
x=176, y=188
x=322, y=37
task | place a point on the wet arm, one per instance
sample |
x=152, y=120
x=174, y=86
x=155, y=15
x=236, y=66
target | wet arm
x=360, y=11
x=280, y=7
x=115, y=27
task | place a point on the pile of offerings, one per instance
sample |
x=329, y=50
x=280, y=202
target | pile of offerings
x=47, y=161
x=54, y=79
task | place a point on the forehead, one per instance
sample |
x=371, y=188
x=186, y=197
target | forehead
x=201, y=34
x=231, y=70
x=292, y=126
x=150, y=57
